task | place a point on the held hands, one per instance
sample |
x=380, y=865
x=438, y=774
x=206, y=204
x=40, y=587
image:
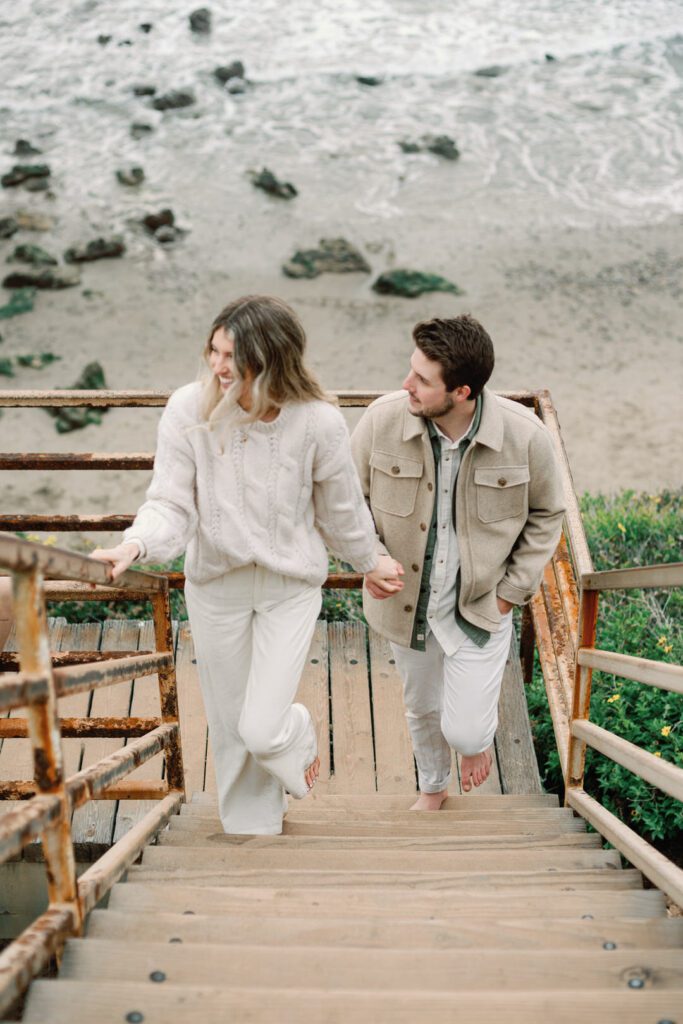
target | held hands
x=384, y=581
x=121, y=557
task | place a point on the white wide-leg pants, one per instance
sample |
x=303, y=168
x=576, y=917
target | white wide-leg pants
x=451, y=701
x=252, y=629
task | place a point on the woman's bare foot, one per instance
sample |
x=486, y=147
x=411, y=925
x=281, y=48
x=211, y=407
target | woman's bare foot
x=312, y=772
x=430, y=801
x=475, y=770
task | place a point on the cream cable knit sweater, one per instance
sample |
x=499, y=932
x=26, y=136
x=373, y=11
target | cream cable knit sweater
x=270, y=493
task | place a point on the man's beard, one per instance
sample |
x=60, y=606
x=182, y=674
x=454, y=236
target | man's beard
x=435, y=414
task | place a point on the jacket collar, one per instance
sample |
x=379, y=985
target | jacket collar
x=490, y=432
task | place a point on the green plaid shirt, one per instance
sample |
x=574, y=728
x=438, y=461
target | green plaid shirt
x=475, y=633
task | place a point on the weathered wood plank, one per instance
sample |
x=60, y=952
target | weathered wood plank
x=386, y=903
x=514, y=743
x=93, y=824
x=379, y=933
x=314, y=693
x=73, y=1002
x=354, y=762
x=193, y=727
x=395, y=765
x=433, y=970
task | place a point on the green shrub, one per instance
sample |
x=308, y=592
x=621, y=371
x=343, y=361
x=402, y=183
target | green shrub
x=628, y=530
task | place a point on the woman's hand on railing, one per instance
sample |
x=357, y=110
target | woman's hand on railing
x=121, y=557
x=384, y=580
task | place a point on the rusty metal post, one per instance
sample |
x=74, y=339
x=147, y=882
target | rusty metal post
x=43, y=725
x=576, y=760
x=527, y=644
x=168, y=687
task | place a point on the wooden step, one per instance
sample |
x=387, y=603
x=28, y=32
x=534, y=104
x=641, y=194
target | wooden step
x=191, y=836
x=382, y=902
x=303, y=967
x=404, y=800
x=424, y=825
x=395, y=933
x=229, y=858
x=300, y=811
x=74, y=1002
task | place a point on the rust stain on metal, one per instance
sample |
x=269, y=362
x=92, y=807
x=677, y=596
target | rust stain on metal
x=17, y=728
x=76, y=460
x=31, y=952
x=78, y=678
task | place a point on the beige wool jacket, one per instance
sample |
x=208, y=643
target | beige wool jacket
x=509, y=506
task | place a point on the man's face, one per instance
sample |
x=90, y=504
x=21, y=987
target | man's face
x=427, y=394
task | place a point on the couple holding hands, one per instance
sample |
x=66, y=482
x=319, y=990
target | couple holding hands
x=447, y=498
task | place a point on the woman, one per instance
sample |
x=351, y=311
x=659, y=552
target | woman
x=253, y=476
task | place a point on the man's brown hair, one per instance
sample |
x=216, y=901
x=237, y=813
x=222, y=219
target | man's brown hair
x=461, y=346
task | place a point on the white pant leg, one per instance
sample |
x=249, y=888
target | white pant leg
x=422, y=674
x=223, y=615
x=472, y=681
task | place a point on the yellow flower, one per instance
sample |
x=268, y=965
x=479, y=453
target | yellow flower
x=615, y=696
x=662, y=641
x=666, y=730
x=620, y=526
x=658, y=753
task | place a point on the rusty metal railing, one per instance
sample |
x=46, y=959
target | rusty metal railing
x=51, y=798
x=657, y=771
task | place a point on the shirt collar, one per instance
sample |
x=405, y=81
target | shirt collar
x=437, y=435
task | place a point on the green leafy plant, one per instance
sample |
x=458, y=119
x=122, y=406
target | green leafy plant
x=630, y=529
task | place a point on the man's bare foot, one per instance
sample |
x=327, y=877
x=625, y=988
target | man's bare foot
x=475, y=770
x=312, y=772
x=430, y=801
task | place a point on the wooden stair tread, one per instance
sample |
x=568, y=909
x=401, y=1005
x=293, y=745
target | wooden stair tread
x=210, y=838
x=73, y=1002
x=393, y=933
x=384, y=902
x=402, y=801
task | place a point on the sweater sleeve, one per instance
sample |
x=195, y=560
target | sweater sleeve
x=341, y=515
x=168, y=518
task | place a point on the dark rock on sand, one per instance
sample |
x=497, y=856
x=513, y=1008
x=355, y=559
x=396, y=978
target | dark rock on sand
x=21, y=301
x=6, y=368
x=166, y=234
x=441, y=145
x=174, y=100
x=8, y=227
x=369, y=79
x=236, y=86
x=139, y=130
x=200, y=20
x=103, y=40
x=267, y=181
x=32, y=254
x=228, y=71
x=22, y=147
x=335, y=256
x=50, y=280
x=98, y=249
x=67, y=418
x=37, y=185
x=146, y=27
x=493, y=71
x=144, y=90
x=37, y=360
x=411, y=283
x=162, y=219
x=130, y=175
x=410, y=147
x=549, y=57
x=22, y=172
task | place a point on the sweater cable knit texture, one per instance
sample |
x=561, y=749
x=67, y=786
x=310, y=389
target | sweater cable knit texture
x=274, y=494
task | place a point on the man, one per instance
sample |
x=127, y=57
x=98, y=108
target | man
x=465, y=491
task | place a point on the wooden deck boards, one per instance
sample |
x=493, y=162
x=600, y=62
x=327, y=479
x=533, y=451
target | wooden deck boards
x=350, y=684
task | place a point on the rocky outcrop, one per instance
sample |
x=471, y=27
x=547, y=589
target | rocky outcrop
x=200, y=21
x=233, y=70
x=21, y=301
x=130, y=176
x=334, y=256
x=411, y=283
x=8, y=227
x=267, y=181
x=139, y=130
x=68, y=418
x=32, y=254
x=21, y=173
x=175, y=99
x=98, y=249
x=440, y=145
x=43, y=278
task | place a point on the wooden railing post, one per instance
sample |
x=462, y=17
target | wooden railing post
x=527, y=644
x=43, y=727
x=583, y=675
x=168, y=687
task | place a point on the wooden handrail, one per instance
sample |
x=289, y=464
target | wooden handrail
x=655, y=770
x=640, y=670
x=670, y=574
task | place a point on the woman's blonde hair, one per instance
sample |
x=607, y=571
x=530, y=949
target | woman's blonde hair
x=269, y=344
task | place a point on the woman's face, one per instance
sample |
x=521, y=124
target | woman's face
x=221, y=362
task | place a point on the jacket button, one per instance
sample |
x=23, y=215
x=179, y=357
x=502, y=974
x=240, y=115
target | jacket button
x=502, y=481
x=408, y=608
x=423, y=526
x=396, y=469
x=415, y=567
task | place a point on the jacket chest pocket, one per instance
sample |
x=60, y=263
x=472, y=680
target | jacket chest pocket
x=394, y=480
x=501, y=492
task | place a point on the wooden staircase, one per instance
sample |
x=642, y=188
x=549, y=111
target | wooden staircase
x=498, y=908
